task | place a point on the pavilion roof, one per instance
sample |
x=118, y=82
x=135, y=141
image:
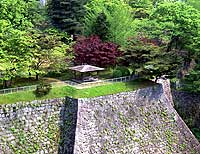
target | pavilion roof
x=86, y=68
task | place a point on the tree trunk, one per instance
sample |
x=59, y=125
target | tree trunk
x=5, y=84
x=37, y=77
x=29, y=75
x=11, y=81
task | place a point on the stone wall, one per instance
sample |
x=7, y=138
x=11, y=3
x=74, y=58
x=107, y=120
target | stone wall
x=138, y=122
x=141, y=121
x=188, y=106
x=39, y=127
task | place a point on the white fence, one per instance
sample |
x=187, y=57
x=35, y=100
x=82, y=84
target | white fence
x=12, y=90
x=70, y=83
x=102, y=82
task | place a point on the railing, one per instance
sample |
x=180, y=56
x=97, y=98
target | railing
x=70, y=83
x=102, y=82
x=18, y=89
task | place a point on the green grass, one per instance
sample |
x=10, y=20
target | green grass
x=58, y=92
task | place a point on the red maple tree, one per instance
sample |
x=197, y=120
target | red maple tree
x=94, y=51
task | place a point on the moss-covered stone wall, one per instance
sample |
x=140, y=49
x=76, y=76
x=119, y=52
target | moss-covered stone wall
x=142, y=121
x=38, y=127
x=137, y=122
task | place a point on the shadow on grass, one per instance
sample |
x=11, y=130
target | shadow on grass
x=139, y=83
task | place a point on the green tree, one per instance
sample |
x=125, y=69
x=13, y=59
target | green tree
x=21, y=14
x=67, y=14
x=192, y=80
x=141, y=8
x=119, y=19
x=174, y=28
x=49, y=51
x=101, y=27
x=15, y=55
x=181, y=22
x=150, y=60
x=175, y=25
x=17, y=17
x=194, y=3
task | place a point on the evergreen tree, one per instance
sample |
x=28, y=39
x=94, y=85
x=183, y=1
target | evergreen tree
x=67, y=14
x=101, y=26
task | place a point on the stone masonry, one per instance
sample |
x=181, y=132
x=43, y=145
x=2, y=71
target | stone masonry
x=38, y=127
x=138, y=122
x=188, y=106
x=142, y=121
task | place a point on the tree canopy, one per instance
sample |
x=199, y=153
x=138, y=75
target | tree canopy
x=26, y=42
x=157, y=37
x=118, y=18
x=95, y=52
x=67, y=14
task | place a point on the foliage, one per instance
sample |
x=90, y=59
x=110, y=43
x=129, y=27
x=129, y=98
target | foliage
x=124, y=70
x=20, y=14
x=101, y=27
x=141, y=8
x=175, y=25
x=119, y=19
x=140, y=3
x=150, y=60
x=181, y=22
x=191, y=81
x=42, y=89
x=196, y=132
x=95, y=52
x=17, y=17
x=15, y=55
x=117, y=73
x=49, y=51
x=167, y=36
x=67, y=14
x=194, y=3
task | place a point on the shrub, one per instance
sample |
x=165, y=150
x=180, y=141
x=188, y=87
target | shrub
x=53, y=74
x=117, y=74
x=125, y=71
x=43, y=89
x=95, y=52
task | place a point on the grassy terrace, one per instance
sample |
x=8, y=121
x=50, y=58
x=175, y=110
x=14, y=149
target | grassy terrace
x=76, y=93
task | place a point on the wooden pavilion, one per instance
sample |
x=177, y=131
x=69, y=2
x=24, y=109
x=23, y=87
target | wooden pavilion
x=85, y=69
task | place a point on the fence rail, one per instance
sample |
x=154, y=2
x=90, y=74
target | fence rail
x=18, y=89
x=70, y=83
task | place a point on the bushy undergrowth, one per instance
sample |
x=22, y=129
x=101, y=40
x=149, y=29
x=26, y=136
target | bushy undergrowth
x=42, y=89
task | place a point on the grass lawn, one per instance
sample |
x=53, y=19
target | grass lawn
x=63, y=91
